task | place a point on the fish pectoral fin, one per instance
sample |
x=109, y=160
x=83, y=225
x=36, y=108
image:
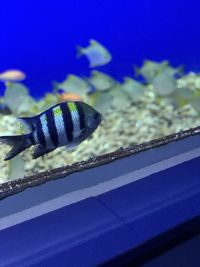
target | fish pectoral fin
x=71, y=146
x=76, y=142
x=40, y=151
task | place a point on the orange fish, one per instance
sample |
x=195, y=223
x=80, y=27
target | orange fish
x=69, y=97
x=12, y=76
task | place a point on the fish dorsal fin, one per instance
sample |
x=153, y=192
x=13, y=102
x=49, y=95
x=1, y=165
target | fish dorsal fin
x=29, y=123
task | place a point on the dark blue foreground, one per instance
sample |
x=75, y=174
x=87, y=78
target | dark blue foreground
x=134, y=223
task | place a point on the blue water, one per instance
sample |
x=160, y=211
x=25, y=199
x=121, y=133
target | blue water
x=39, y=37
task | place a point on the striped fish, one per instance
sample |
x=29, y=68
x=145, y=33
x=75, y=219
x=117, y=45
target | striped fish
x=65, y=124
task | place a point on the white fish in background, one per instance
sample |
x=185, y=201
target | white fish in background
x=119, y=97
x=96, y=53
x=132, y=88
x=151, y=69
x=175, y=71
x=102, y=102
x=164, y=84
x=17, y=98
x=12, y=76
x=74, y=84
x=101, y=81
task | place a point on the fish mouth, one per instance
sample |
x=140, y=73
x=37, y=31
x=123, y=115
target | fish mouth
x=98, y=117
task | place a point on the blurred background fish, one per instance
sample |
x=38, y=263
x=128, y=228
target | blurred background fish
x=18, y=99
x=96, y=53
x=101, y=81
x=4, y=109
x=164, y=83
x=64, y=96
x=73, y=84
x=12, y=76
x=150, y=69
x=133, y=88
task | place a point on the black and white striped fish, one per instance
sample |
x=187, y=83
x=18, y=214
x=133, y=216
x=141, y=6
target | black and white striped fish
x=65, y=124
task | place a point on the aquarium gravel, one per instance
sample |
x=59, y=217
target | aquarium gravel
x=123, y=125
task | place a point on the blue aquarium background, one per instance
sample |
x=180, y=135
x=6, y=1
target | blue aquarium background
x=40, y=37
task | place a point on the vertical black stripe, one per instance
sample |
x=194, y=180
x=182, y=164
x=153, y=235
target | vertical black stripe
x=81, y=114
x=68, y=123
x=40, y=134
x=31, y=138
x=52, y=127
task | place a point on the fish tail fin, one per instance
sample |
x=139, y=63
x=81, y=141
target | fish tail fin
x=18, y=143
x=136, y=70
x=79, y=51
x=180, y=69
x=55, y=86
